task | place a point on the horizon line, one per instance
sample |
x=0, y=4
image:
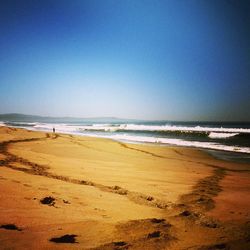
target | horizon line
x=118, y=118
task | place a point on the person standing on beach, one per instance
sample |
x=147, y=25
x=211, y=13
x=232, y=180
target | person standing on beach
x=54, y=130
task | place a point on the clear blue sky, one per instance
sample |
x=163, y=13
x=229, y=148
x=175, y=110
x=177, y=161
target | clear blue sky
x=174, y=60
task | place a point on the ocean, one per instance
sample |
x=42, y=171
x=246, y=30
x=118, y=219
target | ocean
x=222, y=139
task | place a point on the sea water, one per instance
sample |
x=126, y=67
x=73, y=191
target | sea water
x=222, y=139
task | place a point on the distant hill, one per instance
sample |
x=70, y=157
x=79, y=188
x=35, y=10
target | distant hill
x=15, y=117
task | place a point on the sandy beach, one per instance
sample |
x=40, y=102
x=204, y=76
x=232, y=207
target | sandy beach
x=59, y=191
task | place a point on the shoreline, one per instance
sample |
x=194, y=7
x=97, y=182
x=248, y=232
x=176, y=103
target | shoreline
x=116, y=195
x=220, y=154
x=229, y=156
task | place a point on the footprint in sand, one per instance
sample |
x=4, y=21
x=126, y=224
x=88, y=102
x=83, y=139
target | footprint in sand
x=155, y=234
x=49, y=200
x=120, y=243
x=67, y=238
x=66, y=202
x=75, y=198
x=10, y=227
x=27, y=185
x=16, y=181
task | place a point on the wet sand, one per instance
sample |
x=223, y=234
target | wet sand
x=59, y=191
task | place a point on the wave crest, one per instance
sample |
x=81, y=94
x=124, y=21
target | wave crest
x=215, y=135
x=180, y=142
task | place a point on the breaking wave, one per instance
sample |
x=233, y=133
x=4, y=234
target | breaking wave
x=221, y=135
x=146, y=128
x=232, y=139
x=179, y=142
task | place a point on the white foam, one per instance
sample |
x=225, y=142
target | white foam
x=171, y=128
x=214, y=135
x=185, y=128
x=179, y=142
x=59, y=127
x=136, y=127
x=27, y=123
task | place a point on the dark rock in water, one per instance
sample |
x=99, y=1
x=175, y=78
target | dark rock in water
x=10, y=227
x=48, y=201
x=155, y=234
x=67, y=238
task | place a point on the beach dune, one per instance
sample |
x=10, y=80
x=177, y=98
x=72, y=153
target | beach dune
x=59, y=191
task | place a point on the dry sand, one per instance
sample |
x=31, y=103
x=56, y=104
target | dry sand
x=68, y=192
